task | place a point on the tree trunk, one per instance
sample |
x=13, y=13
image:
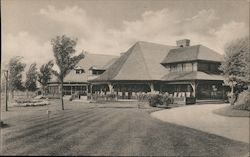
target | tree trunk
x=232, y=95
x=43, y=90
x=12, y=94
x=62, y=96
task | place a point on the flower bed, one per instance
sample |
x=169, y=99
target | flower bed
x=30, y=102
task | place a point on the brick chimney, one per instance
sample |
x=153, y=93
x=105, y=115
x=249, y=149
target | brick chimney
x=183, y=43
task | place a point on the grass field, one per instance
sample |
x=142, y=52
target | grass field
x=105, y=129
x=231, y=112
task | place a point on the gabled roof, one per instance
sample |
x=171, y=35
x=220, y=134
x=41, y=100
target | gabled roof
x=90, y=60
x=96, y=68
x=140, y=62
x=190, y=75
x=97, y=60
x=192, y=53
x=78, y=68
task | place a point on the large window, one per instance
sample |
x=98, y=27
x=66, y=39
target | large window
x=209, y=67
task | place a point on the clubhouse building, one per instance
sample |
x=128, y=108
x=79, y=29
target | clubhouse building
x=183, y=71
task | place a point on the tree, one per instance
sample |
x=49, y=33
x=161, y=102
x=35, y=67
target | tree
x=31, y=78
x=44, y=74
x=63, y=49
x=236, y=65
x=16, y=67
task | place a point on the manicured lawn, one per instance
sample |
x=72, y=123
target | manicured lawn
x=230, y=112
x=105, y=129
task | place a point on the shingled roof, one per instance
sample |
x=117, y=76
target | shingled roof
x=192, y=53
x=98, y=60
x=190, y=75
x=140, y=62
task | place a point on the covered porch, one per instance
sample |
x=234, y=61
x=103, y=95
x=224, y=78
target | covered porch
x=124, y=89
x=198, y=89
x=69, y=88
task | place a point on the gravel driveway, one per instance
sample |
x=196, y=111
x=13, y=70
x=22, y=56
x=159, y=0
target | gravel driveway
x=105, y=129
x=201, y=117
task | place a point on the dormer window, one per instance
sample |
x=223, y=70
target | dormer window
x=97, y=70
x=79, y=70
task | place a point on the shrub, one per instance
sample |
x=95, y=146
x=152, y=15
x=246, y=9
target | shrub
x=167, y=99
x=144, y=96
x=160, y=99
x=243, y=101
x=155, y=100
x=111, y=96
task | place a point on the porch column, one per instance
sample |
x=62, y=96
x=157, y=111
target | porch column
x=110, y=87
x=87, y=89
x=91, y=92
x=152, y=89
x=71, y=90
x=193, y=84
x=59, y=89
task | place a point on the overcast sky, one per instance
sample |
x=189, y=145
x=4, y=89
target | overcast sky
x=112, y=26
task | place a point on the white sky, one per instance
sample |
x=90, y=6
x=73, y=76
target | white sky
x=112, y=26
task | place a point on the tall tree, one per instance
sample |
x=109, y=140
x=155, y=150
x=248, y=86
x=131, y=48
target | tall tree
x=64, y=49
x=44, y=74
x=236, y=64
x=31, y=78
x=16, y=67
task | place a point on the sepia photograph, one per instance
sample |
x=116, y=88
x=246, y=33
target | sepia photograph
x=125, y=78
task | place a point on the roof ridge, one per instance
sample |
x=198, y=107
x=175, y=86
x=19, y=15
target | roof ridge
x=144, y=61
x=128, y=53
x=176, y=47
x=148, y=42
x=100, y=54
x=114, y=69
x=211, y=49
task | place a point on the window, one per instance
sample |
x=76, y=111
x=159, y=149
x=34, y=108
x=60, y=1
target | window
x=204, y=67
x=97, y=72
x=209, y=67
x=173, y=67
x=184, y=65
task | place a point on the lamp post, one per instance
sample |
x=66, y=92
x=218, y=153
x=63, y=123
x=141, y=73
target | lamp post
x=6, y=76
